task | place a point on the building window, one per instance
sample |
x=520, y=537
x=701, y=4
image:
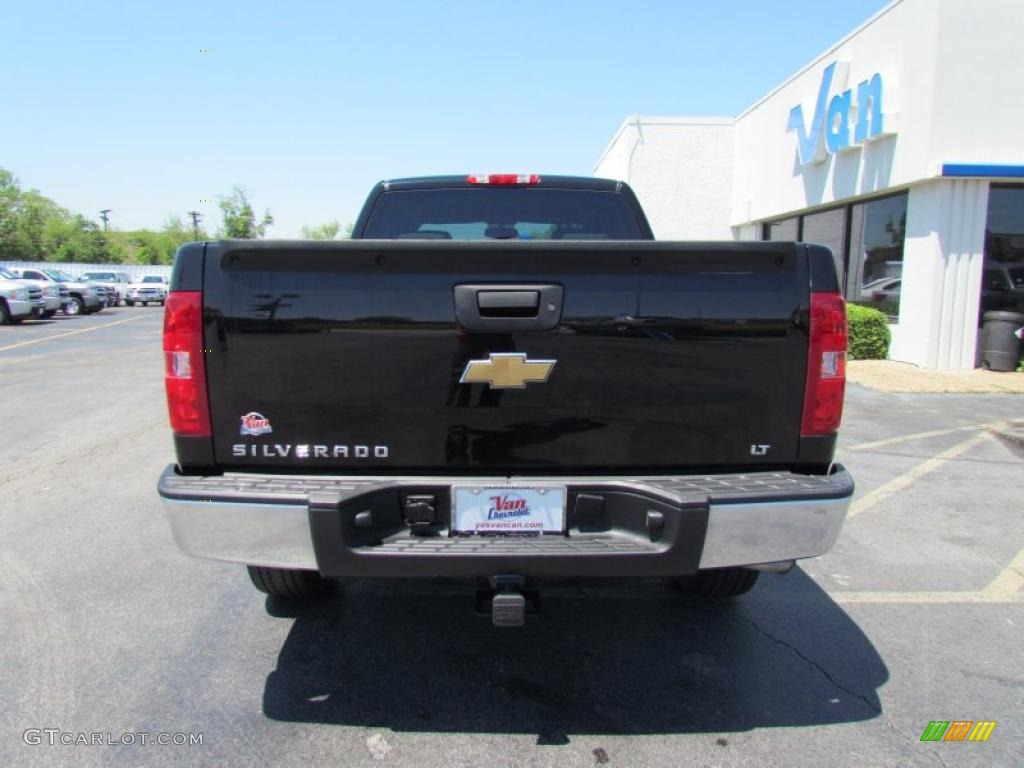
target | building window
x=875, y=260
x=867, y=243
x=1002, y=284
x=783, y=229
x=828, y=228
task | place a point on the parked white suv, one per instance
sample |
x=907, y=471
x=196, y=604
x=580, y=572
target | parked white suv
x=151, y=288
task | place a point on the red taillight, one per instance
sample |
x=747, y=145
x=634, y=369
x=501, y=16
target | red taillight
x=826, y=365
x=503, y=178
x=185, y=369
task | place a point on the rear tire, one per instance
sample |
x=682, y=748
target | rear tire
x=129, y=303
x=287, y=582
x=49, y=313
x=719, y=583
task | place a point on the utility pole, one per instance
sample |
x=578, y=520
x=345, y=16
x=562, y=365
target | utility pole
x=105, y=215
x=196, y=217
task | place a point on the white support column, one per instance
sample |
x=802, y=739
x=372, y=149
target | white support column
x=942, y=264
x=746, y=232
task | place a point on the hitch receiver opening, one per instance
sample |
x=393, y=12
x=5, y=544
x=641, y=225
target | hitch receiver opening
x=507, y=601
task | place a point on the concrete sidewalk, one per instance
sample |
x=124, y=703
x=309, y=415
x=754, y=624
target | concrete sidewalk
x=891, y=376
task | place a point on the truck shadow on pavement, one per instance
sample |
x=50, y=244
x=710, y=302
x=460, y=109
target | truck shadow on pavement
x=641, y=659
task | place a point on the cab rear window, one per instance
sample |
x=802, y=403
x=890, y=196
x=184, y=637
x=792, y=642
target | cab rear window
x=516, y=213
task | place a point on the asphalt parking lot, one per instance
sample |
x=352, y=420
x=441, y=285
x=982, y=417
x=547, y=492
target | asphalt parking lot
x=915, y=616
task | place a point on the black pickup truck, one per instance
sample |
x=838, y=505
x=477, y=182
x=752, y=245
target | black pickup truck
x=505, y=378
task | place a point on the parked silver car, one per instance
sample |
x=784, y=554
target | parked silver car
x=881, y=290
x=83, y=298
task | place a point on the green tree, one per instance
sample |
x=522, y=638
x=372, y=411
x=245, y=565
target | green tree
x=180, y=232
x=32, y=212
x=145, y=246
x=9, y=197
x=326, y=231
x=148, y=248
x=34, y=228
x=90, y=243
x=239, y=218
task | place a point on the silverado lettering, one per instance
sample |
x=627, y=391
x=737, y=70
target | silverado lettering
x=240, y=450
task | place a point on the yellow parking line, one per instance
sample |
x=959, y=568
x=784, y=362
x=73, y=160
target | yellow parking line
x=918, y=598
x=916, y=436
x=914, y=474
x=1007, y=585
x=70, y=333
x=914, y=597
x=1005, y=588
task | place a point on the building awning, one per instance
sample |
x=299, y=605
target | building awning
x=983, y=170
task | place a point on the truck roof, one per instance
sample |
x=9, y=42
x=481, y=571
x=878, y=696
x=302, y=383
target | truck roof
x=452, y=181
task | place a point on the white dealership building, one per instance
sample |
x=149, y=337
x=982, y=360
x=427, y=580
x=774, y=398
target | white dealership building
x=901, y=147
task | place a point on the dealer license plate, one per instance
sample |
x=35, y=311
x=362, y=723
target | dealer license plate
x=479, y=509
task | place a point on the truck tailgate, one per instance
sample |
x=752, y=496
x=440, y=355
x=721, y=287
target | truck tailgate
x=348, y=355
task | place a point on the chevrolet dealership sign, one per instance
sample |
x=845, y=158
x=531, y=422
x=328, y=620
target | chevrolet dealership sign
x=830, y=128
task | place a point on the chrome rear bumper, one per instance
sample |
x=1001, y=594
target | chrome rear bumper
x=306, y=522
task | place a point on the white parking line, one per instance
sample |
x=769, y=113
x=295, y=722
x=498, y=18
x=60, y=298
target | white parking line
x=914, y=474
x=69, y=333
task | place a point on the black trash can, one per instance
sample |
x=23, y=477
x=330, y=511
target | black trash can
x=1000, y=347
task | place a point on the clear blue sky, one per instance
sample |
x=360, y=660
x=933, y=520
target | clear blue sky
x=112, y=105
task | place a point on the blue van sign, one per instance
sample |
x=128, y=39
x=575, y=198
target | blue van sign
x=829, y=131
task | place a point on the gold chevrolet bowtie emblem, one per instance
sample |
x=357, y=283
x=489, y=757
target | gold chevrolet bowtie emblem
x=506, y=370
